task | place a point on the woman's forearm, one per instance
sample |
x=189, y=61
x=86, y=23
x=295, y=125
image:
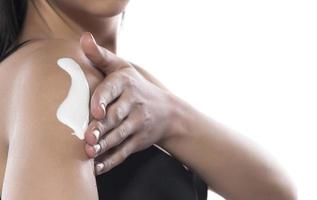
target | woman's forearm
x=230, y=164
x=227, y=161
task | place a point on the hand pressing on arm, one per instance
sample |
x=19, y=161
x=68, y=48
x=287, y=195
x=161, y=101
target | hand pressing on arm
x=140, y=112
x=130, y=113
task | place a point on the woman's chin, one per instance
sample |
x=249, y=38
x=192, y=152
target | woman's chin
x=108, y=8
x=98, y=8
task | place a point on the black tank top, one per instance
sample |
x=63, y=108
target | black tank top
x=150, y=174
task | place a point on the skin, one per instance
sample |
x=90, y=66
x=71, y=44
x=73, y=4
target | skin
x=138, y=112
x=55, y=161
x=44, y=161
x=230, y=164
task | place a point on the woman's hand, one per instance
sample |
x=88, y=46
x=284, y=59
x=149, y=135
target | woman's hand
x=130, y=113
x=138, y=114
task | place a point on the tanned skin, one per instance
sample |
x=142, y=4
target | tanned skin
x=58, y=165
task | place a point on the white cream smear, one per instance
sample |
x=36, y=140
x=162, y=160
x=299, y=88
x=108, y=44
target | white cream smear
x=74, y=111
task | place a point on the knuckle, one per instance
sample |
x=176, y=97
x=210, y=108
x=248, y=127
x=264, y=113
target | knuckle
x=123, y=132
x=112, y=89
x=110, y=140
x=144, y=118
x=113, y=118
x=147, y=122
x=111, y=115
x=139, y=101
x=124, y=74
x=126, y=77
x=132, y=82
x=119, y=113
x=133, y=87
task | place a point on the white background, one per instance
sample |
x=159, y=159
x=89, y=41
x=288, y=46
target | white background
x=250, y=64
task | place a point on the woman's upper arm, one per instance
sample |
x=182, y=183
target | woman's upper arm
x=45, y=160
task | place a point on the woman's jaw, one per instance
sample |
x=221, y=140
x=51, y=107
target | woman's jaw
x=55, y=19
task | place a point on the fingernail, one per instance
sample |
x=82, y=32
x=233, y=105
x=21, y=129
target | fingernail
x=103, y=108
x=99, y=167
x=97, y=148
x=96, y=133
x=92, y=37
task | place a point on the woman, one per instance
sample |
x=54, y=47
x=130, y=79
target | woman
x=130, y=112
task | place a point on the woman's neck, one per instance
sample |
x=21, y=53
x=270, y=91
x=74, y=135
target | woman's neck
x=45, y=20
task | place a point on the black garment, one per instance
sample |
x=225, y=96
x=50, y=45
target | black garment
x=150, y=174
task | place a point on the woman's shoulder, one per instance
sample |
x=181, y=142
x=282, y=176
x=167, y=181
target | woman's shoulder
x=38, y=60
x=33, y=69
x=40, y=54
x=37, y=91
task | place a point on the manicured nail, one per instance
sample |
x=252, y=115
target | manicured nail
x=96, y=133
x=99, y=167
x=103, y=108
x=97, y=149
x=92, y=37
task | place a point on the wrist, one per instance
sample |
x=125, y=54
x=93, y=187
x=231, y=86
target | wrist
x=178, y=123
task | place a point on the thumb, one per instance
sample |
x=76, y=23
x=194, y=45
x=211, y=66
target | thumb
x=102, y=58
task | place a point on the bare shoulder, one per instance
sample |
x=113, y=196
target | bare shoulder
x=38, y=141
x=42, y=56
x=34, y=66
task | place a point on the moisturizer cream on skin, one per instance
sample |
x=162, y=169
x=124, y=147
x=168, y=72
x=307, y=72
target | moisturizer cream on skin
x=74, y=110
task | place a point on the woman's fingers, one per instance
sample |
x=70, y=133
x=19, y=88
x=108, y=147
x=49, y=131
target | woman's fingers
x=102, y=58
x=117, y=135
x=106, y=92
x=116, y=112
x=113, y=129
x=117, y=156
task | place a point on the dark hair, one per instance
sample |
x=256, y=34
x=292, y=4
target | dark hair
x=12, y=15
